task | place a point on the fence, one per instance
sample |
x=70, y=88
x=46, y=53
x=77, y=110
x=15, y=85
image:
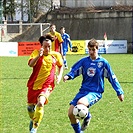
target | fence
x=11, y=30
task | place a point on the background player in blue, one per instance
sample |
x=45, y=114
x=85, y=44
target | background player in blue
x=93, y=69
x=67, y=41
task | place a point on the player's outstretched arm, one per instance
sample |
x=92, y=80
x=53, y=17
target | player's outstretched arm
x=59, y=76
x=121, y=97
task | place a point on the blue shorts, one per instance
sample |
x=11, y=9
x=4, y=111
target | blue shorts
x=93, y=97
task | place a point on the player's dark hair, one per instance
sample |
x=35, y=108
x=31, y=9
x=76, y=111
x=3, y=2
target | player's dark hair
x=45, y=37
x=52, y=25
x=41, y=39
x=62, y=27
x=93, y=43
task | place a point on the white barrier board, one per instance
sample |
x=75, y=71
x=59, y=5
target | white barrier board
x=116, y=46
x=110, y=46
x=8, y=49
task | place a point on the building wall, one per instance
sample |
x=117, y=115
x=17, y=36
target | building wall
x=95, y=3
x=84, y=25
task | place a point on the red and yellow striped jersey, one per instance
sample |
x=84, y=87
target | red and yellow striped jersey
x=57, y=41
x=44, y=70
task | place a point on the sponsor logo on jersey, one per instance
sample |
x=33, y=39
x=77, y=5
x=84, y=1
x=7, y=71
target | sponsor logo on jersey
x=99, y=64
x=91, y=71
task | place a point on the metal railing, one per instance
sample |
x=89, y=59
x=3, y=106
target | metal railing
x=9, y=31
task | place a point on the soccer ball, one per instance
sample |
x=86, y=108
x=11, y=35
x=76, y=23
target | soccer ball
x=80, y=111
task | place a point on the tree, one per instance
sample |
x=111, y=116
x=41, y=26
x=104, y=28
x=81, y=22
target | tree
x=9, y=9
x=33, y=8
x=4, y=9
x=37, y=7
x=1, y=11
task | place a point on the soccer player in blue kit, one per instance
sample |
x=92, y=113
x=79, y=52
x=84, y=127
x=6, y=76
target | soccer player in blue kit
x=93, y=69
x=66, y=42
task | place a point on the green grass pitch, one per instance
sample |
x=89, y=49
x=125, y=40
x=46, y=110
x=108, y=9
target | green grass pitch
x=109, y=115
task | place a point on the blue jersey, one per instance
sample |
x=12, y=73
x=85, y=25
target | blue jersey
x=66, y=42
x=93, y=73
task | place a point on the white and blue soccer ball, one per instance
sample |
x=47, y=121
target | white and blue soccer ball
x=80, y=111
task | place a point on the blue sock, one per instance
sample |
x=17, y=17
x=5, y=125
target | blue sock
x=65, y=63
x=88, y=116
x=76, y=127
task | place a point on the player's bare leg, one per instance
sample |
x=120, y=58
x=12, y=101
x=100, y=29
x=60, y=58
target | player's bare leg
x=74, y=122
x=87, y=120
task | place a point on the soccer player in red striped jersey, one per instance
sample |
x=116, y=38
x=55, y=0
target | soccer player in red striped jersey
x=41, y=82
x=57, y=43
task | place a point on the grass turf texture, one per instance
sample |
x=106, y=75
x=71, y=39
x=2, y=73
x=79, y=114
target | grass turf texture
x=109, y=115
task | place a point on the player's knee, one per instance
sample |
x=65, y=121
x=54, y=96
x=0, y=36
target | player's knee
x=41, y=101
x=83, y=101
x=31, y=108
x=40, y=104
